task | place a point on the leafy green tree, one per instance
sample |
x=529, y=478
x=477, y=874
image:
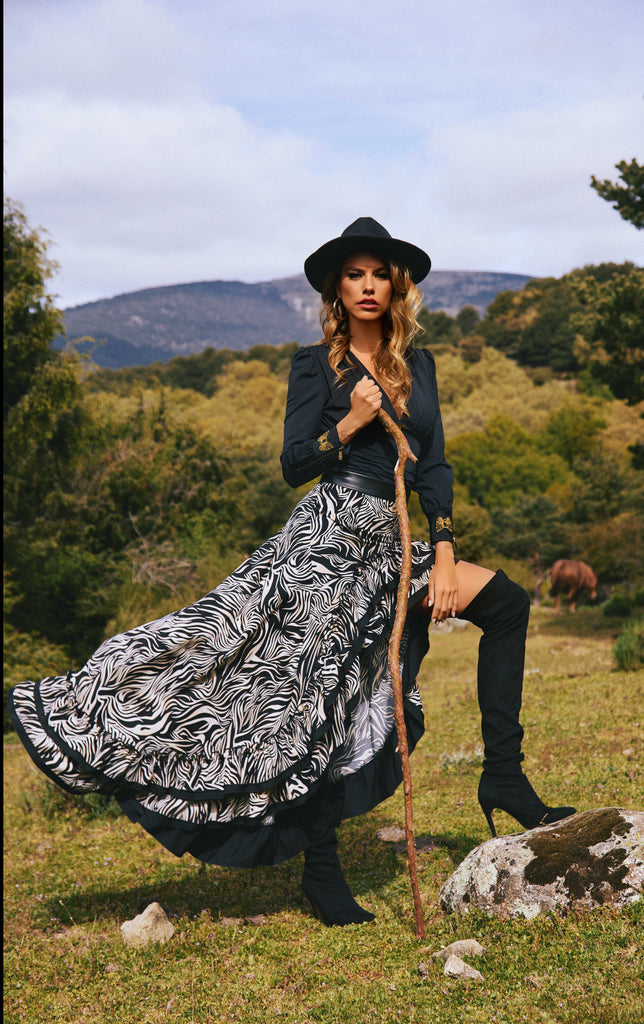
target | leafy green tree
x=133, y=481
x=501, y=463
x=548, y=339
x=603, y=488
x=611, y=323
x=438, y=328
x=474, y=531
x=42, y=387
x=592, y=315
x=467, y=318
x=498, y=326
x=571, y=431
x=533, y=325
x=532, y=525
x=30, y=318
x=627, y=198
x=613, y=547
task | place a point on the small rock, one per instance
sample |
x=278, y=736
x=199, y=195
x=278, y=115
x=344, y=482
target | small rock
x=422, y=844
x=150, y=926
x=462, y=947
x=257, y=919
x=449, y=626
x=457, y=968
x=423, y=970
x=392, y=834
x=231, y=922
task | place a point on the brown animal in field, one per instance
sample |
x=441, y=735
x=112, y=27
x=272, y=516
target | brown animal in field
x=572, y=577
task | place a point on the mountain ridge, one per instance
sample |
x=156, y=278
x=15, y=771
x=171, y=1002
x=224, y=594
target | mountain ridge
x=158, y=323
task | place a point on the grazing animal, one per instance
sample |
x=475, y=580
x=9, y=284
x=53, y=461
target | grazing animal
x=572, y=577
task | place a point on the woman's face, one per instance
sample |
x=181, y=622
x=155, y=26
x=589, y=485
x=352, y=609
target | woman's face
x=365, y=287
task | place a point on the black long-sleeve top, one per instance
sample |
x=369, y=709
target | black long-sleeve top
x=316, y=403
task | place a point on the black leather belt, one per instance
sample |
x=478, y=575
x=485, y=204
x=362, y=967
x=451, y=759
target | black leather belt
x=360, y=482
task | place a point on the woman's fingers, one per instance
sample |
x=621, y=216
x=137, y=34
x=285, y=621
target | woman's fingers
x=366, y=399
x=443, y=602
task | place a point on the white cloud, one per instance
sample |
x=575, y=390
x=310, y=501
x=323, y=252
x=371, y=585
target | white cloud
x=120, y=48
x=153, y=193
x=162, y=142
x=517, y=189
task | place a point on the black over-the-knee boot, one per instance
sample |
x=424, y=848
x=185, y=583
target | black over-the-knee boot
x=325, y=886
x=501, y=609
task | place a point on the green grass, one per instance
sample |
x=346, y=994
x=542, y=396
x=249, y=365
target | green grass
x=74, y=871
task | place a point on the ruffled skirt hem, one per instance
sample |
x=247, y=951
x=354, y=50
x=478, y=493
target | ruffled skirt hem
x=233, y=728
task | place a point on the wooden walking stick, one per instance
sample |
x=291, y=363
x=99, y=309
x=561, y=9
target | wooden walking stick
x=404, y=453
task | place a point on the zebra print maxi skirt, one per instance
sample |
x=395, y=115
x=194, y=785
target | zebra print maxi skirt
x=236, y=727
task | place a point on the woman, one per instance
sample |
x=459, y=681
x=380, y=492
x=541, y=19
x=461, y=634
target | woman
x=242, y=729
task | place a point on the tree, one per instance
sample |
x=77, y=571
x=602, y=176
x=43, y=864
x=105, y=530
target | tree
x=41, y=385
x=467, y=318
x=533, y=325
x=502, y=463
x=533, y=525
x=571, y=431
x=611, y=324
x=628, y=198
x=438, y=328
x=31, y=319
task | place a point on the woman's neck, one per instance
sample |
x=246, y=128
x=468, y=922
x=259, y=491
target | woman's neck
x=365, y=338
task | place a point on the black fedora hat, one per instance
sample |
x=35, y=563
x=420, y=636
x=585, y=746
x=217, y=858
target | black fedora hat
x=365, y=235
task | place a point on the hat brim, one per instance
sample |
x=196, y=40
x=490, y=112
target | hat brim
x=319, y=264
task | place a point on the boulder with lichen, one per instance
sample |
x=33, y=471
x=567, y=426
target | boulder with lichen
x=590, y=859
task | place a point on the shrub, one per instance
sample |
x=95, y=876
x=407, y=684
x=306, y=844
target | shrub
x=618, y=604
x=629, y=647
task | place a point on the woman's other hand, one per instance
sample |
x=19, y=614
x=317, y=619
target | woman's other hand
x=442, y=590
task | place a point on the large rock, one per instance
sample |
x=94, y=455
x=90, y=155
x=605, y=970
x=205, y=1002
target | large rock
x=586, y=860
x=150, y=926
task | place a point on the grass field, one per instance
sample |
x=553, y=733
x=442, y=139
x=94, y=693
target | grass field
x=75, y=871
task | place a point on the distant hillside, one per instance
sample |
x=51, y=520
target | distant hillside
x=141, y=327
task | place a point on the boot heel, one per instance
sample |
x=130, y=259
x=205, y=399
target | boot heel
x=514, y=795
x=487, y=811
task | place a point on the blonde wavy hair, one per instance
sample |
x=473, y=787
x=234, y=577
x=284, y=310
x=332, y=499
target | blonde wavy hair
x=399, y=329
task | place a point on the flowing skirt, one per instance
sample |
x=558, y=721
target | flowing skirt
x=235, y=728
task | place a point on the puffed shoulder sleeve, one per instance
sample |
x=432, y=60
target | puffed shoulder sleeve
x=310, y=444
x=434, y=476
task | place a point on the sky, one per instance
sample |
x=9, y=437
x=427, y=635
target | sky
x=165, y=141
